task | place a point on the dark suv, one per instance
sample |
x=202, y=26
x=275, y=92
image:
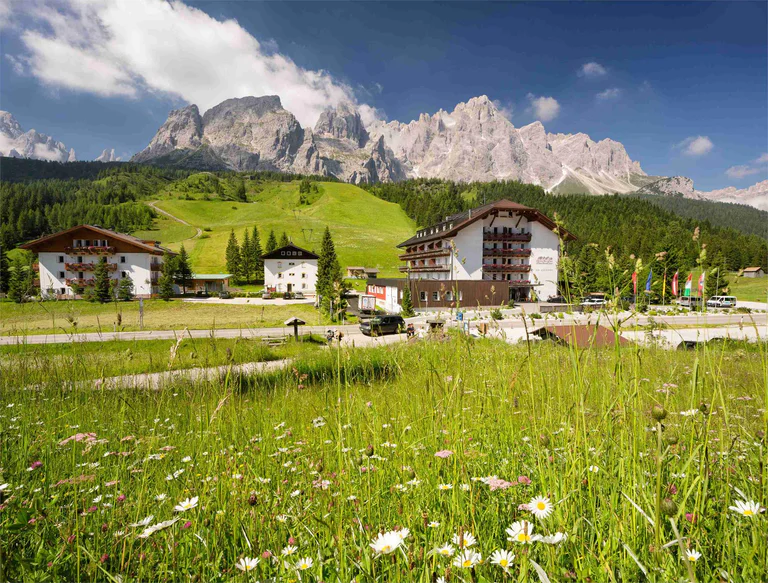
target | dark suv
x=383, y=325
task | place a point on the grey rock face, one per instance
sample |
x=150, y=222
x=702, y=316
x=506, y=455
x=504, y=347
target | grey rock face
x=182, y=130
x=17, y=143
x=107, y=156
x=755, y=195
x=343, y=122
x=672, y=186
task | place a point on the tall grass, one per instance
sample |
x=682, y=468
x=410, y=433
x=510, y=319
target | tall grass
x=629, y=445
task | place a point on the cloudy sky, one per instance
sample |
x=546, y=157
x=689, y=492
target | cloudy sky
x=682, y=86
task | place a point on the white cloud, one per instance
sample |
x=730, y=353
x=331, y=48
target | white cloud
x=505, y=110
x=128, y=49
x=544, y=108
x=612, y=93
x=592, y=70
x=696, y=146
x=758, y=165
x=369, y=114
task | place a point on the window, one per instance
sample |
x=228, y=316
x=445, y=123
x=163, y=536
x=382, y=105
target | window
x=61, y=275
x=61, y=259
x=279, y=264
x=123, y=274
x=449, y=296
x=291, y=274
x=436, y=296
x=303, y=276
x=423, y=296
x=62, y=290
x=122, y=259
x=87, y=242
x=80, y=259
x=303, y=286
x=291, y=264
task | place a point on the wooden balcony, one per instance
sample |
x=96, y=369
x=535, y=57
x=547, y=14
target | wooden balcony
x=491, y=268
x=506, y=252
x=425, y=254
x=91, y=250
x=87, y=266
x=521, y=237
x=425, y=268
x=80, y=282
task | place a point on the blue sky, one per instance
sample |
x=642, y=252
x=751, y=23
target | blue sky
x=683, y=86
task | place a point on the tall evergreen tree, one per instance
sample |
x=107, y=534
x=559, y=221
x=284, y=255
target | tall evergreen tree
x=587, y=281
x=233, y=256
x=284, y=240
x=246, y=257
x=271, y=243
x=406, y=305
x=240, y=191
x=166, y=279
x=183, y=273
x=5, y=274
x=258, y=262
x=19, y=281
x=102, y=285
x=330, y=284
x=125, y=289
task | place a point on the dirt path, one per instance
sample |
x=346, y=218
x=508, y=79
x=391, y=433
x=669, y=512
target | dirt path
x=177, y=219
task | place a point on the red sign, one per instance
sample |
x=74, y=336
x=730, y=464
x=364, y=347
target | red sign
x=378, y=291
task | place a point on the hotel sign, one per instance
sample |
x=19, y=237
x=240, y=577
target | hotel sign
x=545, y=260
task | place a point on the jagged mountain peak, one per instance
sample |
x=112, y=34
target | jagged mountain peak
x=342, y=122
x=17, y=143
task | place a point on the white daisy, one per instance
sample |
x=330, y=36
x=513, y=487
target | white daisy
x=692, y=555
x=553, y=539
x=444, y=487
x=540, y=507
x=503, y=559
x=185, y=505
x=467, y=559
x=386, y=543
x=749, y=508
x=289, y=550
x=521, y=532
x=304, y=564
x=445, y=551
x=247, y=564
x=434, y=524
x=465, y=541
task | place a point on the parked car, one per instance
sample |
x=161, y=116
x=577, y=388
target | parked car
x=594, y=302
x=721, y=302
x=381, y=325
x=556, y=300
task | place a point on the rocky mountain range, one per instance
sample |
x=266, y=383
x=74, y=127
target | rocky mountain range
x=755, y=195
x=107, y=156
x=17, y=143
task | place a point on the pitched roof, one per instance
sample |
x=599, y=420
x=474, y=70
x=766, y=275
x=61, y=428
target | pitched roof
x=454, y=223
x=290, y=250
x=751, y=269
x=211, y=276
x=32, y=245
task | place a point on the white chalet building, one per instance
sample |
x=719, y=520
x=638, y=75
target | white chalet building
x=502, y=250
x=290, y=269
x=67, y=260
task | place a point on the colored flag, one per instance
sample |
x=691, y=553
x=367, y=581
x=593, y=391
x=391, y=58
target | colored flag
x=701, y=284
x=674, y=285
x=688, y=283
x=634, y=281
x=648, y=281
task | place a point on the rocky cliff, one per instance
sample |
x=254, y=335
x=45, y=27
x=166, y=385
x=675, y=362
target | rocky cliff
x=17, y=143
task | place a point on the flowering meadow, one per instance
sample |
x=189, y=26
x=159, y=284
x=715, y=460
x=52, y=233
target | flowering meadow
x=455, y=460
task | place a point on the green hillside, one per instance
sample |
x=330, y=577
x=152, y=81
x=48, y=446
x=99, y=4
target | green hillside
x=365, y=228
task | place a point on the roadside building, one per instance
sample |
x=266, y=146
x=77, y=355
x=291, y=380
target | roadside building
x=362, y=272
x=484, y=256
x=67, y=259
x=753, y=272
x=290, y=269
x=209, y=283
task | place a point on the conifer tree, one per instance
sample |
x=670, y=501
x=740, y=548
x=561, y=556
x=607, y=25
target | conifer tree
x=233, y=256
x=271, y=243
x=246, y=257
x=406, y=305
x=166, y=279
x=125, y=289
x=258, y=262
x=240, y=191
x=5, y=274
x=19, y=281
x=715, y=280
x=284, y=240
x=102, y=288
x=183, y=273
x=330, y=284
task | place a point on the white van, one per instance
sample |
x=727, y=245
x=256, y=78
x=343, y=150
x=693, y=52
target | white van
x=721, y=302
x=690, y=302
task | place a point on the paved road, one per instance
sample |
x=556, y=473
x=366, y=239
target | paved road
x=352, y=334
x=177, y=219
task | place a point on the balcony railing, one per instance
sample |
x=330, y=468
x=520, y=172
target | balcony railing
x=425, y=254
x=519, y=282
x=506, y=252
x=523, y=237
x=80, y=282
x=506, y=268
x=425, y=268
x=87, y=266
x=90, y=250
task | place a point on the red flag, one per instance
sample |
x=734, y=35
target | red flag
x=701, y=284
x=674, y=285
x=634, y=281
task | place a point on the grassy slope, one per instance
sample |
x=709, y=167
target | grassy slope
x=49, y=317
x=365, y=229
x=751, y=290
